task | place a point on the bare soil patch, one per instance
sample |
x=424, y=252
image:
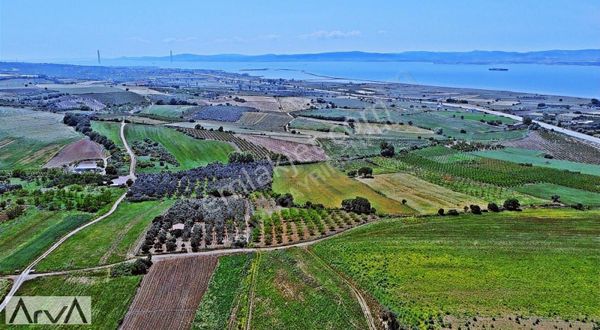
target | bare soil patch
x=170, y=294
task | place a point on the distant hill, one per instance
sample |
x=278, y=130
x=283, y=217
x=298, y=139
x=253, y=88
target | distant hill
x=577, y=57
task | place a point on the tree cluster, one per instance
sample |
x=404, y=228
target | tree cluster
x=82, y=124
x=204, y=220
x=215, y=180
x=358, y=205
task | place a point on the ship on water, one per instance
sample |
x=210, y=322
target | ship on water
x=498, y=69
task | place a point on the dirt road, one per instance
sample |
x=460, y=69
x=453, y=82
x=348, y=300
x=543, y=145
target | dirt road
x=24, y=276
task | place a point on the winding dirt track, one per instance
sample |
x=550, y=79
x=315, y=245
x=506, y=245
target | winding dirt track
x=24, y=276
x=361, y=300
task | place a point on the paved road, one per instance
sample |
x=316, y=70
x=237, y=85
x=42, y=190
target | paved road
x=581, y=136
x=24, y=276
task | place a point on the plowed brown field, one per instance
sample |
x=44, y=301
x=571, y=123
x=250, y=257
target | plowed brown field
x=170, y=293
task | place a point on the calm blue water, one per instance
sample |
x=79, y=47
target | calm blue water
x=567, y=80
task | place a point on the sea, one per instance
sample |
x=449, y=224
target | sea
x=564, y=80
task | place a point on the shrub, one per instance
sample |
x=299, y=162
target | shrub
x=493, y=207
x=15, y=211
x=512, y=204
x=475, y=209
x=453, y=212
x=365, y=172
x=286, y=200
x=441, y=212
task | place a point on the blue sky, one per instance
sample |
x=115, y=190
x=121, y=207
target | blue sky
x=62, y=29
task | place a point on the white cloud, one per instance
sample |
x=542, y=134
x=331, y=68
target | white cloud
x=175, y=40
x=334, y=34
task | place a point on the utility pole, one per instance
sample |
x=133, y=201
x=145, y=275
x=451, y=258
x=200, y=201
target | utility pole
x=98, y=51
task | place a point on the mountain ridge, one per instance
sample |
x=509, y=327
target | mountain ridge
x=577, y=57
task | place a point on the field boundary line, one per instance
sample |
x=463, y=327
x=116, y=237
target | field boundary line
x=24, y=276
x=252, y=292
x=364, y=306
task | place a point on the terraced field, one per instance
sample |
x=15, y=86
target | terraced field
x=425, y=197
x=322, y=183
x=29, y=139
x=449, y=271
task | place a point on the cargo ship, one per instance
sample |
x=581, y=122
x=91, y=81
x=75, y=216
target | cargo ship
x=498, y=69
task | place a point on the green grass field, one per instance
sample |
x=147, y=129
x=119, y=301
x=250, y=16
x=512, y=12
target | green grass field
x=29, y=139
x=567, y=195
x=518, y=155
x=477, y=116
x=107, y=241
x=111, y=296
x=540, y=263
x=4, y=287
x=168, y=111
x=189, y=152
x=324, y=184
x=321, y=126
x=220, y=298
x=425, y=197
x=293, y=290
x=109, y=129
x=25, y=238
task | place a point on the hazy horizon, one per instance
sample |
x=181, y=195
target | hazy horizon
x=34, y=30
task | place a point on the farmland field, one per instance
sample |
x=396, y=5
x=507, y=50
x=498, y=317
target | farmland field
x=220, y=298
x=569, y=196
x=168, y=111
x=365, y=146
x=492, y=265
x=322, y=183
x=420, y=195
x=23, y=239
x=241, y=144
x=298, y=152
x=110, y=130
x=321, y=126
x=559, y=146
x=264, y=121
x=4, y=287
x=77, y=151
x=170, y=293
x=477, y=116
x=536, y=158
x=225, y=113
x=28, y=139
x=111, y=296
x=188, y=151
x=107, y=241
x=292, y=290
